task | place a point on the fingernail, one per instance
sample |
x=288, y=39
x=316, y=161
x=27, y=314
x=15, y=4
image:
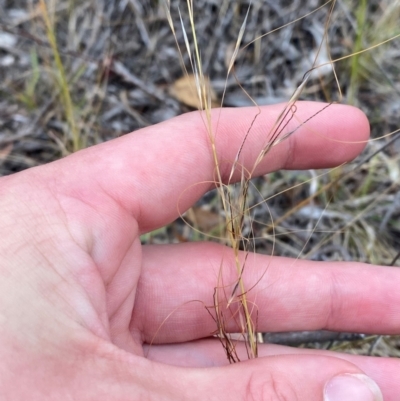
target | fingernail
x=352, y=387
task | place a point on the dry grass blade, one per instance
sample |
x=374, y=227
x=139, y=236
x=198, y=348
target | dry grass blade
x=63, y=81
x=238, y=42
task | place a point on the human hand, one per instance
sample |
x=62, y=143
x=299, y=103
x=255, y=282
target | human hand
x=80, y=297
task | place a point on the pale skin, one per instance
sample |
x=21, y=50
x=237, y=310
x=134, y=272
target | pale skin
x=80, y=298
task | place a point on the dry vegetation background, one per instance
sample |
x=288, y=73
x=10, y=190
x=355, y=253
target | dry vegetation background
x=75, y=73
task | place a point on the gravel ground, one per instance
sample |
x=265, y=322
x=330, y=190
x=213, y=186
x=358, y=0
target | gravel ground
x=123, y=73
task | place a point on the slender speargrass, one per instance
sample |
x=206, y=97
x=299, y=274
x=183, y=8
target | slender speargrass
x=231, y=300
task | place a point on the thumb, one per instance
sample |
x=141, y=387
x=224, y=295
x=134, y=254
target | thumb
x=283, y=378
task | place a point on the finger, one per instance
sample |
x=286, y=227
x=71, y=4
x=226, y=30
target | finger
x=178, y=282
x=209, y=353
x=147, y=171
x=281, y=377
x=286, y=377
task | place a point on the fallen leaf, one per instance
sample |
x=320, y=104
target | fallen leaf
x=184, y=90
x=4, y=152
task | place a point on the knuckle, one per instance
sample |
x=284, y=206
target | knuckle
x=269, y=387
x=334, y=301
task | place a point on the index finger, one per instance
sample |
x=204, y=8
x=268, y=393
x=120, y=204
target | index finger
x=147, y=171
